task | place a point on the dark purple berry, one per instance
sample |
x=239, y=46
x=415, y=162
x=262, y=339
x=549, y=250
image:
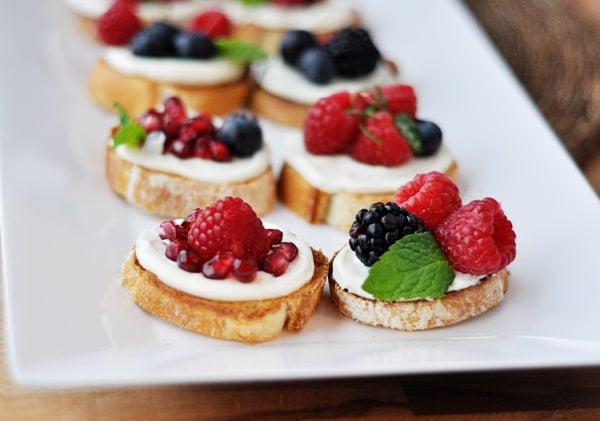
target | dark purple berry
x=156, y=40
x=431, y=137
x=294, y=43
x=317, y=66
x=241, y=134
x=194, y=45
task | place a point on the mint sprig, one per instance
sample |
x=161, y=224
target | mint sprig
x=238, y=50
x=409, y=129
x=129, y=132
x=414, y=267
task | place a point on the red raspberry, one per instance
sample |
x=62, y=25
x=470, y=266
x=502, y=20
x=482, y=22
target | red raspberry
x=212, y=23
x=118, y=24
x=329, y=128
x=431, y=196
x=396, y=99
x=478, y=238
x=380, y=143
x=228, y=225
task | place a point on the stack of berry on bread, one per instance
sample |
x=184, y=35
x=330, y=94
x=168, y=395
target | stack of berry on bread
x=201, y=64
x=265, y=21
x=425, y=260
x=306, y=70
x=356, y=149
x=89, y=13
x=169, y=161
x=222, y=273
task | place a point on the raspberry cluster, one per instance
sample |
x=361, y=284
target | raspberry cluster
x=477, y=238
x=226, y=239
x=376, y=127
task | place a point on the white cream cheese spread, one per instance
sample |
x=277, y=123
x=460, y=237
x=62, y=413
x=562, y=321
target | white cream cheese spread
x=282, y=80
x=150, y=252
x=212, y=71
x=350, y=273
x=336, y=173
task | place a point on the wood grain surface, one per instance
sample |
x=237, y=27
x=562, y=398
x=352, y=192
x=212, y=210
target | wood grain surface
x=553, y=48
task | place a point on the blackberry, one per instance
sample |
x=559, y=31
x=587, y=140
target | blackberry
x=375, y=229
x=353, y=52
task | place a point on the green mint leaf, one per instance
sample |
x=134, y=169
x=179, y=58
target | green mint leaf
x=414, y=267
x=409, y=129
x=238, y=50
x=129, y=132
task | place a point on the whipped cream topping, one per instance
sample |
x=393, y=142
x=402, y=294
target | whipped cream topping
x=150, y=252
x=335, y=173
x=282, y=80
x=325, y=16
x=206, y=170
x=149, y=11
x=175, y=70
x=350, y=273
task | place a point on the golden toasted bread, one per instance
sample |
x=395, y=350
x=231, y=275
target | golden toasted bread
x=174, y=196
x=452, y=308
x=316, y=206
x=136, y=94
x=245, y=321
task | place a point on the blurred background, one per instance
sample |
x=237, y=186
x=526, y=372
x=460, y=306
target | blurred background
x=553, y=47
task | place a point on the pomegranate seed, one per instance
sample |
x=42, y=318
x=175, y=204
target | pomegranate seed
x=288, y=250
x=201, y=149
x=219, y=151
x=275, y=263
x=189, y=260
x=151, y=121
x=202, y=124
x=219, y=266
x=187, y=132
x=167, y=230
x=245, y=270
x=274, y=235
x=171, y=129
x=182, y=148
x=174, y=248
x=175, y=110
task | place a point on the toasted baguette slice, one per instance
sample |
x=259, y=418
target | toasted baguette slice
x=107, y=86
x=316, y=206
x=245, y=321
x=452, y=308
x=284, y=111
x=175, y=196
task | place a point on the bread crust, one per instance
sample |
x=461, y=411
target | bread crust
x=136, y=94
x=245, y=321
x=452, y=308
x=317, y=206
x=174, y=196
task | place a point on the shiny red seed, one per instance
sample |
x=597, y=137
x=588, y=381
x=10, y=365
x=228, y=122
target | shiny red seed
x=189, y=260
x=202, y=123
x=151, y=121
x=219, y=267
x=275, y=263
x=201, y=149
x=175, y=110
x=245, y=270
x=288, y=250
x=182, y=148
x=167, y=230
x=219, y=151
x=174, y=248
x=274, y=235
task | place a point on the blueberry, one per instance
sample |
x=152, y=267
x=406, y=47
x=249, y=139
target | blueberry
x=316, y=65
x=194, y=45
x=431, y=137
x=242, y=135
x=156, y=40
x=294, y=43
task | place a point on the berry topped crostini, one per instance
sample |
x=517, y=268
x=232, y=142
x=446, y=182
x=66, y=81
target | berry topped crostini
x=201, y=65
x=427, y=261
x=89, y=13
x=169, y=161
x=356, y=149
x=223, y=273
x=306, y=70
x=265, y=21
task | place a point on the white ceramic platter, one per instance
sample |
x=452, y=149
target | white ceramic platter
x=64, y=234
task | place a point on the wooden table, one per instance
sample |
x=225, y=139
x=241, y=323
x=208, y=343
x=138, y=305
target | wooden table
x=553, y=47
